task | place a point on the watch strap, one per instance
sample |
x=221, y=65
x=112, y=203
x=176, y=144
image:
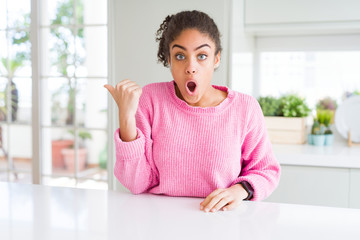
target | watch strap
x=248, y=188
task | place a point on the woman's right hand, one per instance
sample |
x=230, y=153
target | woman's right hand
x=126, y=95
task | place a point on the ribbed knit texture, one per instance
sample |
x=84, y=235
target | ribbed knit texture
x=183, y=150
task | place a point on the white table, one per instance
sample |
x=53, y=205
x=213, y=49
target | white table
x=46, y=213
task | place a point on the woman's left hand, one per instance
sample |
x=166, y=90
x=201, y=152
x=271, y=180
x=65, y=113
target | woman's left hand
x=225, y=199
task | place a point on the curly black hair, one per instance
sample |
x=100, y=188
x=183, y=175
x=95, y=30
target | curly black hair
x=173, y=25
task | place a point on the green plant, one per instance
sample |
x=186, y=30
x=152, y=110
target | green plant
x=318, y=128
x=324, y=117
x=315, y=129
x=83, y=135
x=269, y=105
x=292, y=105
x=348, y=94
x=328, y=131
x=103, y=158
x=14, y=99
x=11, y=65
x=326, y=103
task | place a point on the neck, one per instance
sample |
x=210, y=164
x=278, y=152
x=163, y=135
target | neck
x=211, y=98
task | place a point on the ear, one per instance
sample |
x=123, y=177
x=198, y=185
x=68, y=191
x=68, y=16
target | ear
x=169, y=62
x=217, y=60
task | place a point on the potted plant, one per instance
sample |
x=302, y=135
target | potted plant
x=327, y=103
x=69, y=152
x=12, y=65
x=317, y=136
x=321, y=133
x=348, y=94
x=285, y=118
x=56, y=150
x=292, y=105
x=270, y=106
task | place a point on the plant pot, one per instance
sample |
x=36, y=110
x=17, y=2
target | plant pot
x=310, y=139
x=57, y=147
x=69, y=158
x=286, y=129
x=329, y=139
x=318, y=140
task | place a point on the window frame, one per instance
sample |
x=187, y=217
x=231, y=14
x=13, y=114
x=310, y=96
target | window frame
x=9, y=123
x=37, y=139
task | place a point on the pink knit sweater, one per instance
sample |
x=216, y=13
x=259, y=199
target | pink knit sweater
x=182, y=150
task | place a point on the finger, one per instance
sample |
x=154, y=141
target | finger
x=139, y=90
x=125, y=81
x=232, y=206
x=124, y=84
x=125, y=88
x=111, y=89
x=223, y=202
x=209, y=197
x=213, y=201
x=134, y=88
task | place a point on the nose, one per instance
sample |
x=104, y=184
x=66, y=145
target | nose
x=191, y=67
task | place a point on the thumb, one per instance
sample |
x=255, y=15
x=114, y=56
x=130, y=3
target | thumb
x=111, y=90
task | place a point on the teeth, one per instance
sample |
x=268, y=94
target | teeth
x=191, y=86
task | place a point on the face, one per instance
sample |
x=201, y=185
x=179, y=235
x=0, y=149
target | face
x=192, y=62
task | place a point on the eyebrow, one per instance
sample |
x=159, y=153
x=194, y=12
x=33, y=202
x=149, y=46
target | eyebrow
x=201, y=46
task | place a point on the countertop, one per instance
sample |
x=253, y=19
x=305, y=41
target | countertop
x=43, y=212
x=338, y=155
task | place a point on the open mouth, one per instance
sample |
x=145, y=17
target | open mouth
x=191, y=86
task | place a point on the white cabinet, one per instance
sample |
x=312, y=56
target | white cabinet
x=263, y=17
x=327, y=176
x=313, y=186
x=301, y=11
x=354, y=196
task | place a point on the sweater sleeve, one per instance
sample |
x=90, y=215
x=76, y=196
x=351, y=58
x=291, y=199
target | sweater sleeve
x=134, y=166
x=259, y=165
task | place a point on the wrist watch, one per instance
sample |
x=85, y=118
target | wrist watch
x=248, y=188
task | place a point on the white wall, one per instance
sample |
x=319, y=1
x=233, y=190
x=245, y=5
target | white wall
x=242, y=52
x=136, y=49
x=301, y=11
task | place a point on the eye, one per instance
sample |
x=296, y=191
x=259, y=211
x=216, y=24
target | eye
x=179, y=56
x=202, y=57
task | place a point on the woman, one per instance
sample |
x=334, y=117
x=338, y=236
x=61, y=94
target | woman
x=187, y=137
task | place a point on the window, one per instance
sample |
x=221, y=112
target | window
x=313, y=74
x=73, y=71
x=313, y=66
x=15, y=91
x=73, y=103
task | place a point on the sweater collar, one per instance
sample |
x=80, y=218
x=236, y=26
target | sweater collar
x=201, y=110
